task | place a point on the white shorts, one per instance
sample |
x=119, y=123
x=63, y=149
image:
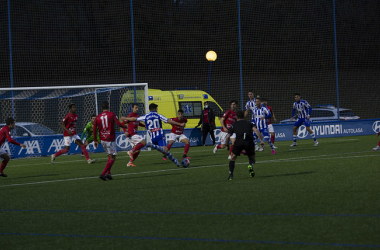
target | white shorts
x=70, y=139
x=223, y=137
x=175, y=137
x=109, y=147
x=270, y=128
x=135, y=139
x=2, y=151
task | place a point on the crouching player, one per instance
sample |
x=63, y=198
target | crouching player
x=244, y=141
x=5, y=133
x=137, y=141
x=177, y=134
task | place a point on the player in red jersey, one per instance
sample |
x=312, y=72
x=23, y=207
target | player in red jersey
x=176, y=134
x=69, y=125
x=5, y=133
x=137, y=141
x=227, y=120
x=269, y=121
x=105, y=122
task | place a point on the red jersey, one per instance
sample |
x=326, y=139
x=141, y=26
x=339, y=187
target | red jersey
x=269, y=120
x=229, y=119
x=70, y=122
x=5, y=133
x=178, y=130
x=133, y=126
x=106, y=124
x=205, y=116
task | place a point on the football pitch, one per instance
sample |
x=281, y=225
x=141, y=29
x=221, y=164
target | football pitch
x=306, y=197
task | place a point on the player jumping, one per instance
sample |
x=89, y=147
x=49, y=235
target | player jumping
x=304, y=111
x=177, y=134
x=5, y=133
x=137, y=141
x=69, y=125
x=105, y=122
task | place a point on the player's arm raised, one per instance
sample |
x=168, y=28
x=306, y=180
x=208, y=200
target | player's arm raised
x=129, y=119
x=176, y=123
x=119, y=123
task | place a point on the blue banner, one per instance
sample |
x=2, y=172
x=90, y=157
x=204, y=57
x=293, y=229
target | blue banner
x=47, y=145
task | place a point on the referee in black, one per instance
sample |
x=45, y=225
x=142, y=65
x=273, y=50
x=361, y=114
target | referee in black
x=244, y=141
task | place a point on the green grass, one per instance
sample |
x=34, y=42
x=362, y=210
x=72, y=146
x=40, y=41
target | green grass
x=301, y=198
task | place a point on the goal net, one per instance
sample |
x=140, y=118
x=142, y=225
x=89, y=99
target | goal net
x=39, y=113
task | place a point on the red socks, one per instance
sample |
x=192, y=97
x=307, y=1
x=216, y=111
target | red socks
x=3, y=165
x=135, y=155
x=231, y=147
x=84, y=151
x=108, y=167
x=169, y=146
x=187, y=146
x=61, y=152
x=138, y=147
x=218, y=147
x=272, y=137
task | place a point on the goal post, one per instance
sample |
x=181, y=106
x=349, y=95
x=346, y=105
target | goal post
x=39, y=112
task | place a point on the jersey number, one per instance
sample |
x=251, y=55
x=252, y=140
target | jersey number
x=104, y=121
x=153, y=124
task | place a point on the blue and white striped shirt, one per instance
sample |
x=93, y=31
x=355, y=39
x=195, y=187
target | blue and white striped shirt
x=302, y=107
x=153, y=122
x=251, y=105
x=261, y=112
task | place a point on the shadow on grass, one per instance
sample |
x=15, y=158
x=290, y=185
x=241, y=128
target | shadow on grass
x=277, y=175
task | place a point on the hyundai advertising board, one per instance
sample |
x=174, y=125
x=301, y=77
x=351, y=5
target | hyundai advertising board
x=47, y=145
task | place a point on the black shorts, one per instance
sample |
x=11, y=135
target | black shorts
x=248, y=146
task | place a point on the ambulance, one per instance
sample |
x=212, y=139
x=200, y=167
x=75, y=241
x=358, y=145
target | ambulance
x=169, y=102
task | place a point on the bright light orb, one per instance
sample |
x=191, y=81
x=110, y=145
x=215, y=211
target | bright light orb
x=211, y=56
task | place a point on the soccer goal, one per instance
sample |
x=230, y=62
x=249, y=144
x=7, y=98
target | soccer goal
x=39, y=112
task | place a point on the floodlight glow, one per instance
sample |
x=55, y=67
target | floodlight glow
x=211, y=56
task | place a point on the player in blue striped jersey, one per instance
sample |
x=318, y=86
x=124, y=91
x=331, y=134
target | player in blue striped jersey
x=260, y=116
x=303, y=110
x=153, y=122
x=249, y=107
x=251, y=104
